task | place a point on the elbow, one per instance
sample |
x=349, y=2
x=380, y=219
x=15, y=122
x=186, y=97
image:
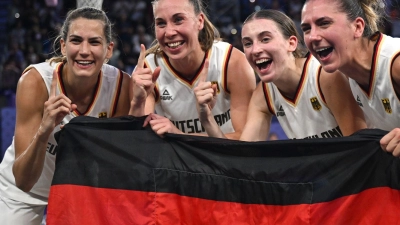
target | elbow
x=23, y=186
x=22, y=183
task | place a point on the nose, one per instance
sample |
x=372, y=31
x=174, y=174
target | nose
x=314, y=35
x=256, y=48
x=170, y=31
x=84, y=49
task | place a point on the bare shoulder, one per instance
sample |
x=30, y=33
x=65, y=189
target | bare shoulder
x=31, y=89
x=240, y=71
x=330, y=80
x=395, y=71
x=238, y=57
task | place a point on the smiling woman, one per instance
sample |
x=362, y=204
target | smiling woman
x=185, y=40
x=307, y=101
x=369, y=58
x=49, y=95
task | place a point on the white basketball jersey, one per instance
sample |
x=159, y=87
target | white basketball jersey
x=176, y=100
x=103, y=105
x=380, y=103
x=307, y=115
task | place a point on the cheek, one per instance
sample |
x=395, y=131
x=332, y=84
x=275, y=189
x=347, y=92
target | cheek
x=307, y=40
x=159, y=34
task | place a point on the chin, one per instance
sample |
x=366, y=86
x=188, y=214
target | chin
x=329, y=68
x=266, y=78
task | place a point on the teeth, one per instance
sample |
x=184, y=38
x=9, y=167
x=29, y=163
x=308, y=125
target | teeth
x=84, y=62
x=321, y=49
x=262, y=61
x=174, y=44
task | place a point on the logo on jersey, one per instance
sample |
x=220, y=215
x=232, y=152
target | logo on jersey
x=103, y=115
x=280, y=112
x=386, y=105
x=52, y=149
x=359, y=101
x=166, y=96
x=216, y=83
x=315, y=103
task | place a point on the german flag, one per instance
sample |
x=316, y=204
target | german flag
x=112, y=171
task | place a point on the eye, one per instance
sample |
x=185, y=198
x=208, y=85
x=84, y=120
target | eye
x=160, y=24
x=75, y=40
x=95, y=42
x=325, y=23
x=246, y=44
x=265, y=39
x=178, y=20
x=305, y=29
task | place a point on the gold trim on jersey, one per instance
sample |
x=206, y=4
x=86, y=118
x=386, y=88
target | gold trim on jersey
x=117, y=94
x=374, y=66
x=225, y=64
x=189, y=83
x=268, y=99
x=300, y=87
x=96, y=95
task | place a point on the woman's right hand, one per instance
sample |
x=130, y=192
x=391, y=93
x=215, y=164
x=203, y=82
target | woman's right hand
x=55, y=108
x=143, y=80
x=206, y=93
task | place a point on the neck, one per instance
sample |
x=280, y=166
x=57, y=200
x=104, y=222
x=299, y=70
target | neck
x=188, y=66
x=80, y=90
x=359, y=66
x=290, y=79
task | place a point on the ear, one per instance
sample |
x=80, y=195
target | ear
x=359, y=26
x=293, y=42
x=110, y=49
x=200, y=19
x=63, y=49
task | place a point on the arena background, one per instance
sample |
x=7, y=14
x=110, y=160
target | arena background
x=27, y=30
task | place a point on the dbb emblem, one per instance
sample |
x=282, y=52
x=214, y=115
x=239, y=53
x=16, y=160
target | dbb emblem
x=315, y=103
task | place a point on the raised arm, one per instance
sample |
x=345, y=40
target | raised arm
x=241, y=84
x=142, y=86
x=38, y=113
x=337, y=93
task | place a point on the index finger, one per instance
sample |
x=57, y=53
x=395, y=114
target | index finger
x=53, y=85
x=142, y=56
x=204, y=72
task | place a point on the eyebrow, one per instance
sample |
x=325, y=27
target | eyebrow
x=317, y=21
x=77, y=36
x=173, y=16
x=260, y=34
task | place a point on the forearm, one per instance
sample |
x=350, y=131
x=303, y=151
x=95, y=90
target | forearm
x=211, y=127
x=28, y=166
x=137, y=108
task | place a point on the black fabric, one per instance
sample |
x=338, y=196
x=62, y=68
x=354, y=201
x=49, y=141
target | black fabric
x=119, y=153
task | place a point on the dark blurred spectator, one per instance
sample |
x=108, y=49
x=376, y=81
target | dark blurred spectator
x=10, y=75
x=137, y=13
x=128, y=58
x=141, y=37
x=17, y=33
x=114, y=60
x=16, y=53
x=31, y=56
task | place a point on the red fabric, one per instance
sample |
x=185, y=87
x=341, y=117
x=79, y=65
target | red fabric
x=100, y=206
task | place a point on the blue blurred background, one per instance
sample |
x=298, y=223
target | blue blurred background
x=28, y=28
